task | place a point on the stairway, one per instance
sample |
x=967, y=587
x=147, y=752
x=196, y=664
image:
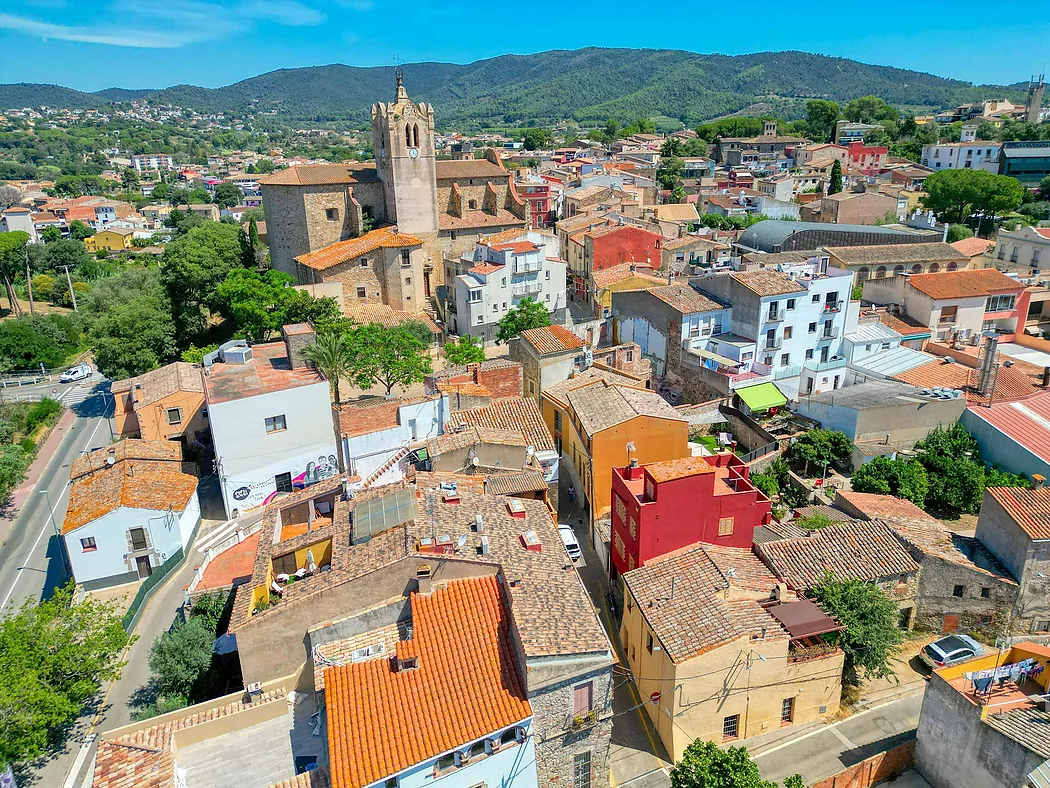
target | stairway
x=395, y=458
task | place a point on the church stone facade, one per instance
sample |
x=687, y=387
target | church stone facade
x=447, y=205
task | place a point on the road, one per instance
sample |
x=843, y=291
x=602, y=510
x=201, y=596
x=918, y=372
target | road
x=31, y=561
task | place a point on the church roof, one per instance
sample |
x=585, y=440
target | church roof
x=342, y=251
x=322, y=175
x=468, y=168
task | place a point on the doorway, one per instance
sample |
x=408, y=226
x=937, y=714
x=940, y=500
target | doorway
x=143, y=565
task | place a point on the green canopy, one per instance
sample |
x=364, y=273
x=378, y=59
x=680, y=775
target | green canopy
x=761, y=397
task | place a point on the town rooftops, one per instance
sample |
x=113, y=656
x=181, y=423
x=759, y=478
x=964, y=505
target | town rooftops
x=162, y=382
x=512, y=413
x=99, y=487
x=768, y=283
x=127, y=449
x=382, y=719
x=772, y=233
x=1030, y=509
x=607, y=277
x=897, y=253
x=365, y=312
x=670, y=470
x=1011, y=383
x=681, y=212
x=589, y=377
x=471, y=436
x=905, y=325
x=978, y=283
x=552, y=339
x=371, y=415
x=602, y=406
x=871, y=394
x=345, y=251
x=972, y=247
x=1026, y=422
x=685, y=299
x=322, y=175
x=862, y=550
x=267, y=371
x=803, y=618
x=468, y=168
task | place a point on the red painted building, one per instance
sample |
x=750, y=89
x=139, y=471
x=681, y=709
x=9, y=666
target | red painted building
x=612, y=245
x=538, y=196
x=663, y=506
x=870, y=159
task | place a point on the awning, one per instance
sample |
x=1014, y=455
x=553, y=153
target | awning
x=724, y=360
x=761, y=397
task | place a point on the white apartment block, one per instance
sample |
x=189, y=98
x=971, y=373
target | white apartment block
x=969, y=153
x=153, y=161
x=497, y=274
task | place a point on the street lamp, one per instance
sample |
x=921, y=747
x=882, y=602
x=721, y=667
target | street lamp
x=61, y=546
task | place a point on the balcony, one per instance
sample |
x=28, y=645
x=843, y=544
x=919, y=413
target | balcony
x=830, y=332
x=790, y=371
x=526, y=267
x=529, y=288
x=802, y=651
x=775, y=317
x=824, y=366
x=831, y=307
x=773, y=344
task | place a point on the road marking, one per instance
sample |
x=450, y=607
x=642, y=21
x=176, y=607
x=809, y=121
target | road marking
x=842, y=738
x=18, y=572
x=829, y=728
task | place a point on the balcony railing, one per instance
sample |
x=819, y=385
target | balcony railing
x=831, y=332
x=773, y=344
x=832, y=306
x=824, y=366
x=775, y=317
x=527, y=289
x=525, y=267
x=790, y=371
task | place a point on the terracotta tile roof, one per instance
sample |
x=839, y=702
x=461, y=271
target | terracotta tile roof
x=479, y=218
x=743, y=570
x=978, y=283
x=267, y=372
x=137, y=484
x=315, y=778
x=581, y=222
x=693, y=240
x=519, y=247
x=365, y=312
x=371, y=415
x=774, y=531
x=1026, y=422
x=589, y=377
x=513, y=413
x=866, y=550
x=231, y=566
x=515, y=483
x=670, y=470
x=468, y=168
x=503, y=237
x=602, y=406
x=681, y=212
x=160, y=383
x=768, y=283
x=905, y=325
x=484, y=269
x=896, y=253
x=1030, y=509
x=468, y=685
x=881, y=507
x=682, y=596
x=552, y=339
x=353, y=248
x=642, y=273
x=127, y=449
x=972, y=247
x=1027, y=726
x=685, y=299
x=472, y=436
x=1042, y=231
x=322, y=175
x=1011, y=383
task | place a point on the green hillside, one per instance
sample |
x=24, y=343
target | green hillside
x=583, y=85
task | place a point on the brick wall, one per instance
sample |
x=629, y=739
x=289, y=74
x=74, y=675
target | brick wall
x=877, y=769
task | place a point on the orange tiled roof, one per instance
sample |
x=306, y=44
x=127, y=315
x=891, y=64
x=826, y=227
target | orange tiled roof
x=963, y=284
x=669, y=470
x=552, y=339
x=344, y=251
x=605, y=277
x=467, y=686
x=971, y=247
x=1010, y=382
x=519, y=247
x=502, y=237
x=1030, y=509
x=128, y=449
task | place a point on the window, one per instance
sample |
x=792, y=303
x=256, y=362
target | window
x=791, y=303
x=632, y=526
x=809, y=354
x=503, y=282
x=475, y=296
x=986, y=592
x=406, y=258
x=504, y=306
x=408, y=281
x=630, y=356
x=650, y=643
x=787, y=710
x=787, y=332
x=948, y=314
x=445, y=762
x=138, y=538
x=481, y=319
x=174, y=415
x=812, y=328
x=725, y=526
x=532, y=387
x=331, y=214
x=283, y=481
x=557, y=420
x=999, y=303
x=508, y=736
x=547, y=297
x=472, y=205
x=1041, y=626
x=477, y=750
x=581, y=770
x=275, y=423
x=959, y=591
x=87, y=544
x=784, y=359
x=547, y=275
x=495, y=307
x=391, y=782
x=581, y=698
x=816, y=298
x=361, y=292
x=730, y=726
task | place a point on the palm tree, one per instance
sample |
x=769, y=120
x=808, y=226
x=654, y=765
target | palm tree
x=330, y=354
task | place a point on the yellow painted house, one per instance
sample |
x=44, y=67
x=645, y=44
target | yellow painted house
x=620, y=278
x=720, y=652
x=116, y=240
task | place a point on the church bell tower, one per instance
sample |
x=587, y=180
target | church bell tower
x=403, y=136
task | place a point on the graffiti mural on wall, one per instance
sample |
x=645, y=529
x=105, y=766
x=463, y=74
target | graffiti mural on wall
x=247, y=495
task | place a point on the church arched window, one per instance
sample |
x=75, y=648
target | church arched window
x=415, y=135
x=408, y=135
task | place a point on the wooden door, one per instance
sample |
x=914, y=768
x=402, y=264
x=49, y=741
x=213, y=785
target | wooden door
x=950, y=623
x=143, y=565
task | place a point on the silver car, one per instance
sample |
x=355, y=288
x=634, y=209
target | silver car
x=950, y=650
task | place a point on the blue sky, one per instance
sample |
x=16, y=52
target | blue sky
x=95, y=44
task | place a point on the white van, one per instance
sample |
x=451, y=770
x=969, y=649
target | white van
x=79, y=372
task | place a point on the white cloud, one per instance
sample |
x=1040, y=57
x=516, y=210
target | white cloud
x=284, y=12
x=113, y=36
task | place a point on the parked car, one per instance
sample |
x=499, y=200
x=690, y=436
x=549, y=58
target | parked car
x=79, y=372
x=568, y=538
x=950, y=650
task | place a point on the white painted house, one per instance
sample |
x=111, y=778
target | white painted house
x=131, y=509
x=270, y=415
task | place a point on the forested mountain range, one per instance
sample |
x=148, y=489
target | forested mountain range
x=583, y=85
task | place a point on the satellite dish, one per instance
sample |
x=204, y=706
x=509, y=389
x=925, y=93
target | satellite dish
x=462, y=541
x=311, y=565
x=110, y=460
x=475, y=461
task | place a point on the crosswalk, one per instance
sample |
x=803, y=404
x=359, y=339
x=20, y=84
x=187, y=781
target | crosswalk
x=78, y=392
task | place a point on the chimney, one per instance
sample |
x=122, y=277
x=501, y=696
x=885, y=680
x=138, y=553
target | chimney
x=1038, y=480
x=298, y=337
x=633, y=471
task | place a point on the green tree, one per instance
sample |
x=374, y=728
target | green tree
x=529, y=313
x=956, y=194
x=23, y=346
x=671, y=148
x=958, y=232
x=678, y=194
x=390, y=356
x=670, y=172
x=835, y=183
x=464, y=350
x=12, y=259
x=195, y=355
x=180, y=656
x=331, y=354
x=821, y=116
x=872, y=639
x=228, y=195
x=869, y=109
x=54, y=655
x=66, y=252
x=78, y=231
x=705, y=765
x=537, y=138
x=814, y=522
x=260, y=302
x=129, y=179
x=1044, y=188
x=160, y=192
x=612, y=129
x=51, y=234
x=903, y=478
x=193, y=266
x=264, y=166
x=817, y=449
x=877, y=136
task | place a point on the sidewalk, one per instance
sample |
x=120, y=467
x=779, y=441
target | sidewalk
x=9, y=511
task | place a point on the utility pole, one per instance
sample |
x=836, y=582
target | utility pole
x=72, y=293
x=29, y=279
